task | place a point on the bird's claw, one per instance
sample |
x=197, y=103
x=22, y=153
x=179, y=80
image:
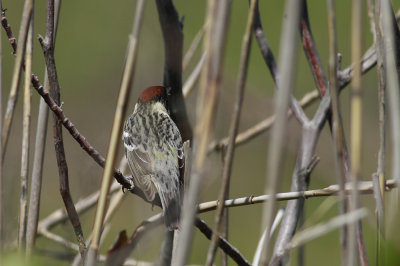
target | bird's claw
x=131, y=185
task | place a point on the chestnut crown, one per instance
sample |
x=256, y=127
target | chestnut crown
x=154, y=94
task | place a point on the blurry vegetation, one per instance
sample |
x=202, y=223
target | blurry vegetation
x=90, y=50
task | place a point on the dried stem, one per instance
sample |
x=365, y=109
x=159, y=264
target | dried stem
x=392, y=82
x=364, y=187
x=337, y=124
x=1, y=130
x=229, y=155
x=355, y=128
x=36, y=184
x=287, y=64
x=379, y=177
x=217, y=24
x=20, y=52
x=116, y=131
x=22, y=223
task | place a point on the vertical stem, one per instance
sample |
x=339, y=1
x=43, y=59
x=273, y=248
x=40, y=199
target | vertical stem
x=287, y=56
x=116, y=131
x=392, y=81
x=38, y=159
x=376, y=26
x=214, y=40
x=337, y=124
x=1, y=130
x=18, y=65
x=355, y=122
x=25, y=139
x=228, y=160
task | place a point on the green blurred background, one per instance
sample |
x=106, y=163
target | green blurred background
x=90, y=49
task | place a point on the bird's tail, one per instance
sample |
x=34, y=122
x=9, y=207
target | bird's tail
x=172, y=213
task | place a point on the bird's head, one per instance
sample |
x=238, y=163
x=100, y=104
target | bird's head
x=155, y=94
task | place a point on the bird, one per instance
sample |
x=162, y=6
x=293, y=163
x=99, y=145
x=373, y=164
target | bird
x=154, y=151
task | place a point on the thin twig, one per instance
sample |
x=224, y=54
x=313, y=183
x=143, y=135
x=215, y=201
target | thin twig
x=22, y=223
x=229, y=155
x=195, y=43
x=38, y=159
x=126, y=182
x=263, y=126
x=194, y=76
x=365, y=187
x=230, y=250
x=288, y=52
x=120, y=111
x=18, y=65
x=48, y=50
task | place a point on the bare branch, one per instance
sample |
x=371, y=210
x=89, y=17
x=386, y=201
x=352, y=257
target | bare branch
x=48, y=50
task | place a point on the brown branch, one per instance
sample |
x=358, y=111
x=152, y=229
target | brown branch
x=48, y=50
x=9, y=32
x=126, y=182
x=230, y=250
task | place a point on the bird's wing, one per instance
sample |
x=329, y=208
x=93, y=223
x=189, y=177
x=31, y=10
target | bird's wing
x=166, y=172
x=140, y=163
